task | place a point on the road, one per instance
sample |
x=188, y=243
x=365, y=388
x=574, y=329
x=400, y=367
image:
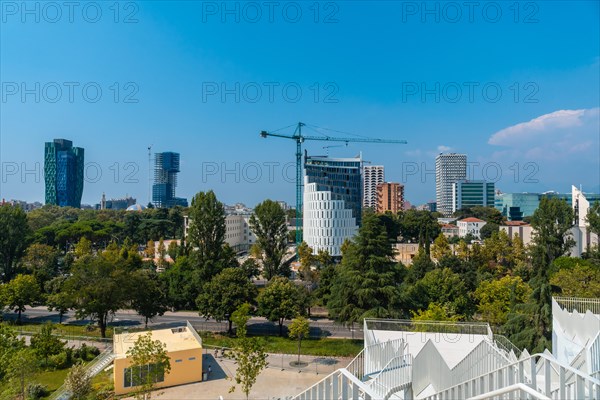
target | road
x=129, y=318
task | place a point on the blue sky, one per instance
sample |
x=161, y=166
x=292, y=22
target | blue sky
x=515, y=87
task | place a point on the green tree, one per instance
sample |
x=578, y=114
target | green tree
x=149, y=363
x=579, y=280
x=9, y=344
x=551, y=223
x=421, y=264
x=240, y=318
x=496, y=298
x=269, y=225
x=161, y=252
x=419, y=227
x=98, y=287
x=58, y=299
x=21, y=369
x=488, y=214
x=42, y=262
x=150, y=249
x=530, y=325
x=173, y=250
x=307, y=260
x=79, y=382
x=434, y=312
x=593, y=218
x=22, y=291
x=299, y=329
x=488, y=229
x=251, y=359
x=368, y=279
x=441, y=248
x=183, y=283
x=279, y=301
x=83, y=247
x=327, y=277
x=443, y=287
x=207, y=225
x=14, y=233
x=250, y=268
x=45, y=344
x=148, y=294
x=224, y=294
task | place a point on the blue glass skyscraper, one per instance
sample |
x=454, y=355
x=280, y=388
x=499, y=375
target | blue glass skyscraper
x=166, y=168
x=63, y=173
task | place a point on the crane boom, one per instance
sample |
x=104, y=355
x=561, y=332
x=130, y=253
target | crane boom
x=300, y=138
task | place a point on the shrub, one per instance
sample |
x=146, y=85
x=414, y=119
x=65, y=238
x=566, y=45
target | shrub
x=59, y=361
x=36, y=391
x=86, y=353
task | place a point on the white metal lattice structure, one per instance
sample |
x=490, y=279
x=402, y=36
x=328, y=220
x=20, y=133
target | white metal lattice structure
x=404, y=368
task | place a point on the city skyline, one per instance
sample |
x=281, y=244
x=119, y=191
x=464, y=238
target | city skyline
x=191, y=94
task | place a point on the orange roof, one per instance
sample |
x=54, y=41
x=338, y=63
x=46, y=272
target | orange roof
x=515, y=223
x=471, y=219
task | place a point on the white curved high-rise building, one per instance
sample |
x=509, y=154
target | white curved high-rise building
x=332, y=202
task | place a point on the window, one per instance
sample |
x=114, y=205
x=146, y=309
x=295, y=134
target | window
x=191, y=358
x=135, y=376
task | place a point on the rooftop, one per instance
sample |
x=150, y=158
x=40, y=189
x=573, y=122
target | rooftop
x=471, y=219
x=515, y=223
x=176, y=339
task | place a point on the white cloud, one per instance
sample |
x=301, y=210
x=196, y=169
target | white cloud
x=561, y=120
x=442, y=149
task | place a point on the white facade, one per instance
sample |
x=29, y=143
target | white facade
x=326, y=222
x=524, y=231
x=449, y=168
x=237, y=231
x=373, y=175
x=470, y=225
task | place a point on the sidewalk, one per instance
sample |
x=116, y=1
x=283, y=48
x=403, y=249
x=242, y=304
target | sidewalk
x=273, y=382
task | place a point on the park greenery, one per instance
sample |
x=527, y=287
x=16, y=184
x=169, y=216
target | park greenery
x=97, y=262
x=24, y=368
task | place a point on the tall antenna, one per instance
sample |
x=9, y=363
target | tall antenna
x=150, y=174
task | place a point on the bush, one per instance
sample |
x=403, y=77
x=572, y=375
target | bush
x=36, y=391
x=86, y=353
x=59, y=361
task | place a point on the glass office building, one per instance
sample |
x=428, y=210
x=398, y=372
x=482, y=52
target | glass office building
x=63, y=173
x=166, y=168
x=466, y=194
x=332, y=202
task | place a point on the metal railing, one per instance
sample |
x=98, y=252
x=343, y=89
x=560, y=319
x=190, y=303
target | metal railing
x=399, y=325
x=340, y=385
x=505, y=344
x=540, y=372
x=92, y=369
x=395, y=376
x=580, y=304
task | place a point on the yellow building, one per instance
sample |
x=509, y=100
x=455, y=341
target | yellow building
x=183, y=346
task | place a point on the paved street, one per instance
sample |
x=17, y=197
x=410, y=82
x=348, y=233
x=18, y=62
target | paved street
x=128, y=318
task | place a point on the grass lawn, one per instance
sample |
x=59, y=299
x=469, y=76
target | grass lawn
x=326, y=347
x=51, y=379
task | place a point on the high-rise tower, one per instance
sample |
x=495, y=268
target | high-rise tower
x=449, y=168
x=166, y=168
x=373, y=175
x=332, y=202
x=63, y=173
